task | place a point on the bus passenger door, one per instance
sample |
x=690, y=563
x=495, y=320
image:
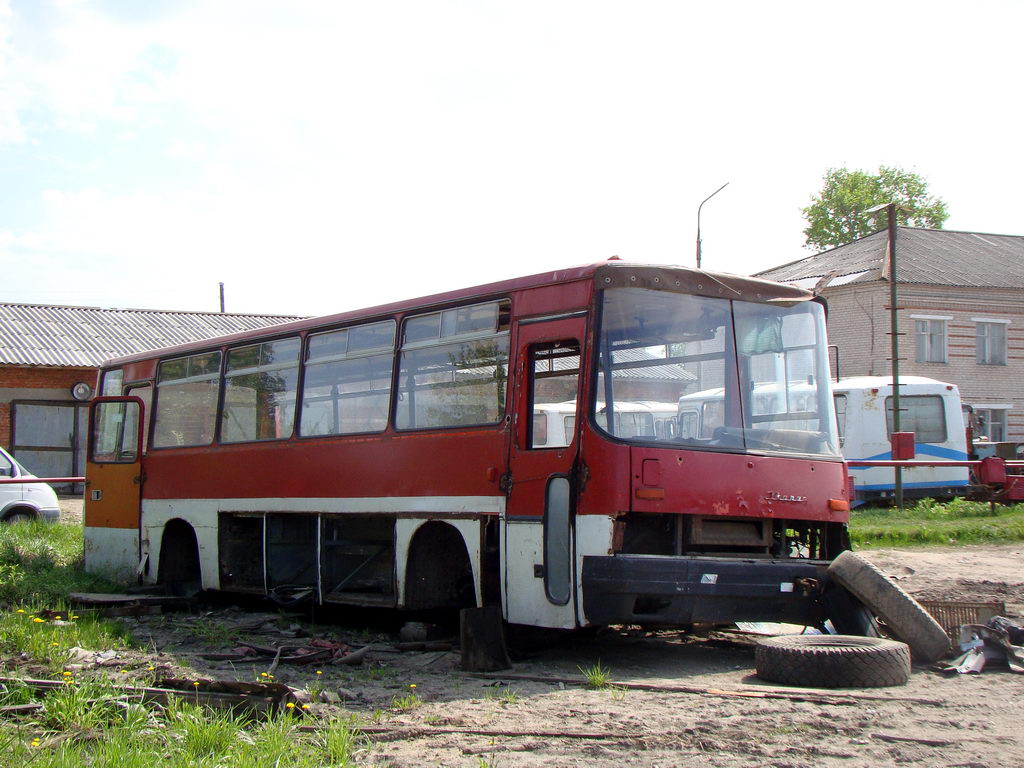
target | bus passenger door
x=113, y=487
x=538, y=533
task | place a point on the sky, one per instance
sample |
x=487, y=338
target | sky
x=323, y=156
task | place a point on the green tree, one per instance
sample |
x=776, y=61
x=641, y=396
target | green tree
x=837, y=214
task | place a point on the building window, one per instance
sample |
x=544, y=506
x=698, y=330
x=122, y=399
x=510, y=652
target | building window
x=992, y=423
x=930, y=340
x=991, y=341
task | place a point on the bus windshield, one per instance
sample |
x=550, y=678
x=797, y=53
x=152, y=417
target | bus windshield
x=721, y=374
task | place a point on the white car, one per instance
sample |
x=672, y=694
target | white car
x=24, y=501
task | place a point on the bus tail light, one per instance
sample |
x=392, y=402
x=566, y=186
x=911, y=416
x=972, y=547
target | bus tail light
x=839, y=505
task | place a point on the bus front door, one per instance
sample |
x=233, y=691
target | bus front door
x=538, y=532
x=113, y=487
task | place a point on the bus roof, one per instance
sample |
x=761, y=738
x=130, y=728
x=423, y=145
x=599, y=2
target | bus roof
x=611, y=273
x=922, y=383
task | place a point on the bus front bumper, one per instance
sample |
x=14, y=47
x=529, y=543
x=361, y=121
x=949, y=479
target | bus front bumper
x=640, y=589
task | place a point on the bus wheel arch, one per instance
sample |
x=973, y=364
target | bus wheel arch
x=179, y=570
x=428, y=586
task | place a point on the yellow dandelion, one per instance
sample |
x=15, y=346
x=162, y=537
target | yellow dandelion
x=196, y=683
x=412, y=685
x=305, y=706
x=20, y=610
x=151, y=668
x=57, y=617
x=264, y=674
x=54, y=643
x=66, y=673
x=72, y=617
x=37, y=620
x=35, y=742
x=290, y=705
x=319, y=671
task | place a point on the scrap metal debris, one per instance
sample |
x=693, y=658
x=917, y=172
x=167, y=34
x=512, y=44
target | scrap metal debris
x=317, y=651
x=999, y=640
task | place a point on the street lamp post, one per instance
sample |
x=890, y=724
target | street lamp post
x=698, y=217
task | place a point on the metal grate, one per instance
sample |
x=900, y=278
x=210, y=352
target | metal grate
x=951, y=615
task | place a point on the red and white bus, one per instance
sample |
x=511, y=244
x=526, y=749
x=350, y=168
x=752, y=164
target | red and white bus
x=394, y=456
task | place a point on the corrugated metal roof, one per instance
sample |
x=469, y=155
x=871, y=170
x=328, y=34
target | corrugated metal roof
x=41, y=334
x=932, y=256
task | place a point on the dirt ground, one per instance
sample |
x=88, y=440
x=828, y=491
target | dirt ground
x=675, y=700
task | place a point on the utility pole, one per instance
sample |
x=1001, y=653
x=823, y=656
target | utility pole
x=890, y=210
x=222, y=298
x=698, y=217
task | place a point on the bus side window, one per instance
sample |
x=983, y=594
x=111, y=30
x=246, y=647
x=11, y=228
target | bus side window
x=840, y=401
x=145, y=393
x=554, y=387
x=688, y=425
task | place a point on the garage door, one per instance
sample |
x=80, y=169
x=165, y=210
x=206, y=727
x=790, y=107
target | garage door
x=49, y=439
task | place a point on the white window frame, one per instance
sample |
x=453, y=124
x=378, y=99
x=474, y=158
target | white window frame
x=985, y=354
x=924, y=353
x=1004, y=423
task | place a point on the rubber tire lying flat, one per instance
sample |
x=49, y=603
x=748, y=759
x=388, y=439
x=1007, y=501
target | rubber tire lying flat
x=904, y=616
x=833, y=661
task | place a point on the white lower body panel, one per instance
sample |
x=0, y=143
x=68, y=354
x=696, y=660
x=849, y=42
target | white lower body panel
x=112, y=553
x=203, y=516
x=523, y=590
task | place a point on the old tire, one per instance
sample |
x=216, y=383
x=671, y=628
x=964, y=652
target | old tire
x=907, y=620
x=833, y=661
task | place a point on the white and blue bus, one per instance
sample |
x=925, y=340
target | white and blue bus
x=930, y=409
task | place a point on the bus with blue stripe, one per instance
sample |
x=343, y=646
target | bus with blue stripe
x=930, y=409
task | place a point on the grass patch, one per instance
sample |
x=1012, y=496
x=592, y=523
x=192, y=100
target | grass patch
x=40, y=563
x=88, y=721
x=929, y=522
x=91, y=724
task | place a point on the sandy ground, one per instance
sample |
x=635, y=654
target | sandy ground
x=701, y=704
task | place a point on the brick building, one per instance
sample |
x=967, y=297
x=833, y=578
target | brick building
x=49, y=358
x=961, y=313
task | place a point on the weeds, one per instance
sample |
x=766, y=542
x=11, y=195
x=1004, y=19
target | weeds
x=597, y=676
x=503, y=696
x=407, y=702
x=341, y=741
x=214, y=633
